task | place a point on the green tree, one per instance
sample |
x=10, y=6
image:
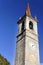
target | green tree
x=3, y=61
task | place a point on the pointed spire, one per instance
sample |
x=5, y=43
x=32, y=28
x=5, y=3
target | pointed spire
x=28, y=13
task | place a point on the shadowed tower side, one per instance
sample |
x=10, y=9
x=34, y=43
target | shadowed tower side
x=27, y=46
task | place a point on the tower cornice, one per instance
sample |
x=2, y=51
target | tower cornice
x=24, y=18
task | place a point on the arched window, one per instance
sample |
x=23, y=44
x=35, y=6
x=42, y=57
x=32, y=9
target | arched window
x=22, y=25
x=31, y=25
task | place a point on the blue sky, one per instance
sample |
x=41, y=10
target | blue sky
x=10, y=11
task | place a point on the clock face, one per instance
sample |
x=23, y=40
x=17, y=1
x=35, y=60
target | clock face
x=32, y=59
x=32, y=45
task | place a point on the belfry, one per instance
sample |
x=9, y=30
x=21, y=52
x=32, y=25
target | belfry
x=27, y=45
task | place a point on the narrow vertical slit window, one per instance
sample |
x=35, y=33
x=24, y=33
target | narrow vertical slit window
x=22, y=25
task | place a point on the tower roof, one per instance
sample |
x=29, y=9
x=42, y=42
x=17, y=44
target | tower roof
x=28, y=13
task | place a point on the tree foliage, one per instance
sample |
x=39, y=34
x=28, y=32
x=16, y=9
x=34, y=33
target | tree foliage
x=3, y=61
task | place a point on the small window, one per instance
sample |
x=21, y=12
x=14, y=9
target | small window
x=31, y=25
x=22, y=25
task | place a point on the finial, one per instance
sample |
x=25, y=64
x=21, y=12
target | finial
x=35, y=17
x=19, y=18
x=28, y=13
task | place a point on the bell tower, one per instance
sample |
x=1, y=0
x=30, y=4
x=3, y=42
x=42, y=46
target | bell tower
x=27, y=46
